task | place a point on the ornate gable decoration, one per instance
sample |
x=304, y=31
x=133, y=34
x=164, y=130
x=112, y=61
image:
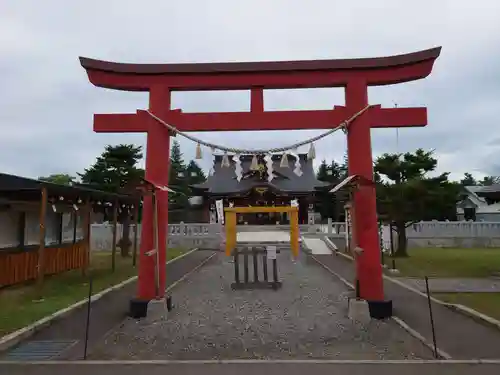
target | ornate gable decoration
x=260, y=171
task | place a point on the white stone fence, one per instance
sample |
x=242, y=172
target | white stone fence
x=185, y=235
x=422, y=234
x=463, y=229
x=470, y=234
x=202, y=234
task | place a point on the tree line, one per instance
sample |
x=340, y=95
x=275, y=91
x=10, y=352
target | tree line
x=406, y=191
x=117, y=168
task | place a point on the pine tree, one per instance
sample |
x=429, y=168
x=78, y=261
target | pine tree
x=344, y=168
x=177, y=167
x=114, y=171
x=178, y=179
x=408, y=194
x=115, y=168
x=329, y=205
x=322, y=174
x=468, y=180
x=195, y=174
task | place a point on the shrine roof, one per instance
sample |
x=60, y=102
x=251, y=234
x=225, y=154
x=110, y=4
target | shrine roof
x=223, y=181
x=262, y=66
x=491, y=191
x=494, y=188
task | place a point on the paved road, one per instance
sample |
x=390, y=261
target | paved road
x=379, y=368
x=306, y=318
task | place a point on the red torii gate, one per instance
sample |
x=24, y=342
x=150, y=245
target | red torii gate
x=355, y=75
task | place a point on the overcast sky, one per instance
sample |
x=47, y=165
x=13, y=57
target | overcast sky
x=47, y=102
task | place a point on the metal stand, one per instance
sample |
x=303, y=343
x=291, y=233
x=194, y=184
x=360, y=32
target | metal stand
x=381, y=243
x=255, y=252
x=87, y=323
x=393, y=259
x=436, y=354
x=156, y=243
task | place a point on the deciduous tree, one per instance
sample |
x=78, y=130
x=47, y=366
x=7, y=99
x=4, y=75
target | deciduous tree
x=59, y=178
x=490, y=180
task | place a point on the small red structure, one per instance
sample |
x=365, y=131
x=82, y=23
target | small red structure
x=355, y=75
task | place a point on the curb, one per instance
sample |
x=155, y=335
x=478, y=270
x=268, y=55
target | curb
x=13, y=338
x=344, y=281
x=464, y=310
x=473, y=314
x=167, y=290
x=330, y=245
x=421, y=338
x=397, y=320
x=186, y=275
x=263, y=362
x=335, y=249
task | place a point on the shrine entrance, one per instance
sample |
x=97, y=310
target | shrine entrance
x=260, y=250
x=356, y=119
x=231, y=220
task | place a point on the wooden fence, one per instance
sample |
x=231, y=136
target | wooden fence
x=20, y=266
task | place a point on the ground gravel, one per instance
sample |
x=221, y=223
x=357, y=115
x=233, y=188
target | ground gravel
x=305, y=319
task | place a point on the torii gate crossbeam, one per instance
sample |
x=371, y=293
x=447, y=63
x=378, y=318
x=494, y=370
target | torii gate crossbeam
x=355, y=75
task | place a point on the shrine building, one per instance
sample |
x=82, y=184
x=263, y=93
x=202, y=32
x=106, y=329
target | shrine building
x=290, y=181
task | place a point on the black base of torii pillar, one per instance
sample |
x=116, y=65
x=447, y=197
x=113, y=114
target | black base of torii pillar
x=381, y=309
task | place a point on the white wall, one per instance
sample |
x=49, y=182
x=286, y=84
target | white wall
x=9, y=226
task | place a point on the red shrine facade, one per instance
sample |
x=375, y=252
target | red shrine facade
x=354, y=75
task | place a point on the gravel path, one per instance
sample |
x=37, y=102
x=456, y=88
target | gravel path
x=306, y=318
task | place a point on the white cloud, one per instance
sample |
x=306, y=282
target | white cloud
x=46, y=101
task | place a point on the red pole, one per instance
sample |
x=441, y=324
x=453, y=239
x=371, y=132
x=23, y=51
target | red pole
x=364, y=219
x=157, y=171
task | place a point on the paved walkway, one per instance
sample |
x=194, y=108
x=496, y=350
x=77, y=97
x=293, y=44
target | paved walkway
x=106, y=313
x=306, y=318
x=316, y=246
x=448, y=285
x=379, y=368
x=458, y=335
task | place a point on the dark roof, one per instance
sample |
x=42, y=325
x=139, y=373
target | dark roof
x=488, y=191
x=267, y=66
x=22, y=188
x=224, y=181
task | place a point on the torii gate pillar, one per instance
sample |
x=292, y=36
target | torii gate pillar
x=157, y=171
x=359, y=153
x=355, y=75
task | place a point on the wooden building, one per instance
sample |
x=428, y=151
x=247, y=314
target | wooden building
x=254, y=188
x=45, y=227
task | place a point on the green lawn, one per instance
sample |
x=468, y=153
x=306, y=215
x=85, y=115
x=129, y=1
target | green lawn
x=449, y=262
x=487, y=303
x=19, y=309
